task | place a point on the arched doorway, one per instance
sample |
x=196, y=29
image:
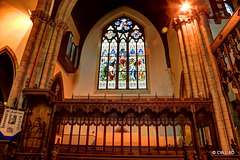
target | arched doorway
x=8, y=65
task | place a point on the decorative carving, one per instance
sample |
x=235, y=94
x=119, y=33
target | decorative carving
x=234, y=147
x=57, y=89
x=34, y=134
x=27, y=83
x=228, y=60
x=41, y=16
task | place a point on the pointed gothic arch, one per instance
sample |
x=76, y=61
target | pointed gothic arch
x=58, y=81
x=12, y=56
x=183, y=92
x=8, y=67
x=123, y=58
x=89, y=61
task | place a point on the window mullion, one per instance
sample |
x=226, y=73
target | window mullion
x=117, y=67
x=123, y=29
x=127, y=66
x=137, y=64
x=108, y=63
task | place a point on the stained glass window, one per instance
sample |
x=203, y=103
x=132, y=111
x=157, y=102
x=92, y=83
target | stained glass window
x=123, y=59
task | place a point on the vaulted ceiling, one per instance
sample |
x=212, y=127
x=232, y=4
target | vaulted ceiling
x=87, y=13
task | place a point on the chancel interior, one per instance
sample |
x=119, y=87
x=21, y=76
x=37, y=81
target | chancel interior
x=123, y=79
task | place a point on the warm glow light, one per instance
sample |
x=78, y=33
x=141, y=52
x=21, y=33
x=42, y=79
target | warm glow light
x=164, y=30
x=29, y=11
x=26, y=22
x=185, y=7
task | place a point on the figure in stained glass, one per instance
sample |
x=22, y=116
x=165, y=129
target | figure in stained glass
x=141, y=76
x=122, y=60
x=104, y=53
x=122, y=52
x=133, y=74
x=113, y=53
x=112, y=62
x=133, y=62
x=140, y=52
x=122, y=64
x=132, y=52
x=111, y=74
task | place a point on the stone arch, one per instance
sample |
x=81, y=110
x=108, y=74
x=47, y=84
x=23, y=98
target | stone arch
x=90, y=55
x=12, y=56
x=65, y=9
x=58, y=80
x=8, y=67
x=45, y=6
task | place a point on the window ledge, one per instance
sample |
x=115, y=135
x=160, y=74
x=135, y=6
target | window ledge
x=123, y=91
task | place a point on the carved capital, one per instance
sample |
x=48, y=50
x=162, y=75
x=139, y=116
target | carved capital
x=61, y=25
x=40, y=15
x=178, y=22
x=203, y=9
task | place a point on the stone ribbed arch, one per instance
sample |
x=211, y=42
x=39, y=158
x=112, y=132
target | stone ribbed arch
x=45, y=6
x=65, y=9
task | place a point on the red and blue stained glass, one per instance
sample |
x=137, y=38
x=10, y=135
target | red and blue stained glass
x=136, y=34
x=110, y=34
x=103, y=65
x=123, y=24
x=122, y=61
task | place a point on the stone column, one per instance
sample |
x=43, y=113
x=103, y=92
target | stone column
x=202, y=68
x=52, y=55
x=49, y=57
x=40, y=66
x=33, y=58
x=213, y=90
x=62, y=28
x=190, y=61
x=215, y=76
x=46, y=37
x=196, y=59
x=18, y=81
x=177, y=27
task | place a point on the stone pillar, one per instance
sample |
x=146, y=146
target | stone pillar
x=45, y=40
x=215, y=75
x=52, y=55
x=40, y=66
x=55, y=54
x=195, y=59
x=48, y=58
x=190, y=61
x=33, y=58
x=18, y=81
x=202, y=68
x=183, y=58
